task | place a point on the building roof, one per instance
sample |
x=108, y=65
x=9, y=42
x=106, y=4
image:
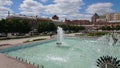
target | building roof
x=55, y=17
x=95, y=14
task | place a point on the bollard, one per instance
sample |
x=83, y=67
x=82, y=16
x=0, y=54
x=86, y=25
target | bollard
x=22, y=59
x=29, y=62
x=38, y=65
x=33, y=63
x=25, y=60
x=16, y=57
x=41, y=66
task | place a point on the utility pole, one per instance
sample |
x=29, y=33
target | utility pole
x=8, y=13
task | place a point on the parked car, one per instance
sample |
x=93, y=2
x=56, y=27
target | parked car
x=3, y=35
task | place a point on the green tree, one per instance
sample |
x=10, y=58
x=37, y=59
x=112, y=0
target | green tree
x=3, y=26
x=106, y=28
x=72, y=28
x=46, y=26
x=51, y=26
x=65, y=27
x=18, y=25
x=23, y=26
x=117, y=27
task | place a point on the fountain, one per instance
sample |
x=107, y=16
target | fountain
x=112, y=39
x=108, y=62
x=60, y=36
x=80, y=52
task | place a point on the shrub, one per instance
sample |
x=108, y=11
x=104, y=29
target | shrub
x=97, y=34
x=39, y=39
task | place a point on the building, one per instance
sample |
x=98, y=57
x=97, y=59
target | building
x=96, y=22
x=94, y=18
x=117, y=16
x=77, y=22
x=111, y=17
x=102, y=19
x=55, y=17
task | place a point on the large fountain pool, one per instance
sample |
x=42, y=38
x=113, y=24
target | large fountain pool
x=73, y=53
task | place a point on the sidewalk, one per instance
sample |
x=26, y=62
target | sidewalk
x=8, y=62
x=15, y=42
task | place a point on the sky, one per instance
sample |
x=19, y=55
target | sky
x=69, y=9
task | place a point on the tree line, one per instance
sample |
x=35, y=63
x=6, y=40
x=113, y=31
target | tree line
x=24, y=26
x=14, y=26
x=117, y=27
x=71, y=28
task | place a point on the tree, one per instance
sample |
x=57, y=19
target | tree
x=46, y=26
x=65, y=27
x=111, y=28
x=117, y=27
x=106, y=28
x=41, y=27
x=14, y=26
x=72, y=28
x=51, y=26
x=23, y=26
x=3, y=26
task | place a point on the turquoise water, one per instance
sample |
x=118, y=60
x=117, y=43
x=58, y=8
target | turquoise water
x=73, y=53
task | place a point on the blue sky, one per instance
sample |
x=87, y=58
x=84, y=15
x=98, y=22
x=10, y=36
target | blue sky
x=71, y=9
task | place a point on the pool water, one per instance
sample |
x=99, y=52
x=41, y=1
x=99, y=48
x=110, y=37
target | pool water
x=73, y=53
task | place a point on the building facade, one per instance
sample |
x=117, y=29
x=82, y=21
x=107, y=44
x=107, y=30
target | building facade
x=94, y=18
x=112, y=17
x=77, y=22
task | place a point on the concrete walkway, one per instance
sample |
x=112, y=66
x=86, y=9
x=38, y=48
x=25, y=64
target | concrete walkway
x=15, y=42
x=19, y=41
x=8, y=62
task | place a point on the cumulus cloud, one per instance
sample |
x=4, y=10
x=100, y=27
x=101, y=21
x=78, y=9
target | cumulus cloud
x=5, y=2
x=63, y=8
x=59, y=7
x=69, y=9
x=31, y=7
x=4, y=7
x=100, y=8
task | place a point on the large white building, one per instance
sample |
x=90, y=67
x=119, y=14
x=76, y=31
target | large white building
x=111, y=17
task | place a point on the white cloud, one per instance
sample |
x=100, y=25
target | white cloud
x=5, y=2
x=100, y=8
x=63, y=8
x=59, y=6
x=31, y=7
x=4, y=7
x=66, y=9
